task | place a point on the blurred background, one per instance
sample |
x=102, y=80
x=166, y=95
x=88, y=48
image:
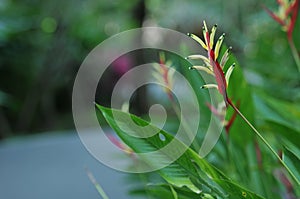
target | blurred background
x=43, y=43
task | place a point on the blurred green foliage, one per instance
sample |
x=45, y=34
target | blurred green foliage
x=42, y=44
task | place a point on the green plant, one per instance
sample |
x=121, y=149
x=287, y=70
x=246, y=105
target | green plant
x=254, y=173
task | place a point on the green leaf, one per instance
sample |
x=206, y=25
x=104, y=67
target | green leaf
x=189, y=170
x=281, y=131
x=174, y=193
x=292, y=159
x=282, y=112
x=163, y=191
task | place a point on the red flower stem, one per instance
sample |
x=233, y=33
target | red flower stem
x=294, y=52
x=263, y=140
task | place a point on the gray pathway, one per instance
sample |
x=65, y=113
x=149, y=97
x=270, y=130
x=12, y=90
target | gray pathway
x=51, y=166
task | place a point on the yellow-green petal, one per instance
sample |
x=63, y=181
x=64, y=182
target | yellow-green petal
x=198, y=57
x=225, y=57
x=218, y=45
x=157, y=67
x=210, y=86
x=228, y=73
x=205, y=30
x=197, y=39
x=203, y=68
x=212, y=36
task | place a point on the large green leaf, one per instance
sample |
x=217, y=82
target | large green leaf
x=282, y=112
x=165, y=191
x=292, y=159
x=280, y=131
x=189, y=170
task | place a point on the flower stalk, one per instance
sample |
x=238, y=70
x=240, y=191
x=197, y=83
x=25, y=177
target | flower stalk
x=295, y=53
x=264, y=141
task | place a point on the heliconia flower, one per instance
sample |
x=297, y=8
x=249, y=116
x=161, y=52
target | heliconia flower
x=163, y=74
x=286, y=15
x=211, y=64
x=214, y=67
x=220, y=112
x=120, y=144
